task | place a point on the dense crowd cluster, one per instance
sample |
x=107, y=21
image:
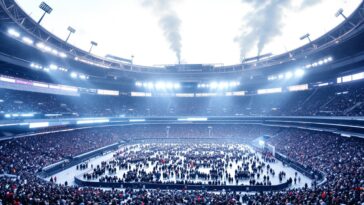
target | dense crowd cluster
x=340, y=158
x=202, y=164
x=30, y=154
x=326, y=101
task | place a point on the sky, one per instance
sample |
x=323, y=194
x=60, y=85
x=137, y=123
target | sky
x=159, y=32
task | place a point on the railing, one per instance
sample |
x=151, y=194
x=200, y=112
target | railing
x=17, y=15
x=305, y=170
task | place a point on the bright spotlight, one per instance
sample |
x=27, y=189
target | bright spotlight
x=83, y=77
x=27, y=40
x=223, y=85
x=150, y=85
x=213, y=85
x=40, y=45
x=74, y=75
x=14, y=33
x=299, y=73
x=289, y=75
x=169, y=85
x=53, y=67
x=261, y=143
x=138, y=84
x=47, y=10
x=62, y=55
x=176, y=86
x=160, y=85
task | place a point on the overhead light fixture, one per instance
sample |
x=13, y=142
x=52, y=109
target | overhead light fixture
x=74, y=75
x=306, y=36
x=27, y=40
x=13, y=33
x=299, y=73
x=93, y=43
x=71, y=31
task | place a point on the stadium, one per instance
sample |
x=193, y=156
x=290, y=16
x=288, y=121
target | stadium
x=80, y=128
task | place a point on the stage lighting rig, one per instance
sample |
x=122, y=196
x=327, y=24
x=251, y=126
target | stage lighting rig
x=340, y=12
x=71, y=31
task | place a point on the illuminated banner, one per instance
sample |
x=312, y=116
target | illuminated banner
x=108, y=92
x=92, y=121
x=269, y=91
x=137, y=120
x=193, y=119
x=185, y=95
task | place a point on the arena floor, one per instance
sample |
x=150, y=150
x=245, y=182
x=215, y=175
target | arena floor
x=69, y=174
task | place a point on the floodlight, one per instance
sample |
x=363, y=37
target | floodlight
x=71, y=31
x=223, y=85
x=306, y=36
x=47, y=10
x=138, y=84
x=213, y=85
x=45, y=7
x=62, y=55
x=40, y=45
x=299, y=73
x=160, y=85
x=176, y=86
x=83, y=77
x=53, y=67
x=14, y=33
x=150, y=85
x=261, y=143
x=289, y=75
x=73, y=75
x=169, y=85
x=27, y=40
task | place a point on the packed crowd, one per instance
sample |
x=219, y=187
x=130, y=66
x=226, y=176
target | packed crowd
x=324, y=101
x=207, y=164
x=30, y=154
x=340, y=158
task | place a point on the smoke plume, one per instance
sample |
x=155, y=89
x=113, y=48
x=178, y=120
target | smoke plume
x=169, y=22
